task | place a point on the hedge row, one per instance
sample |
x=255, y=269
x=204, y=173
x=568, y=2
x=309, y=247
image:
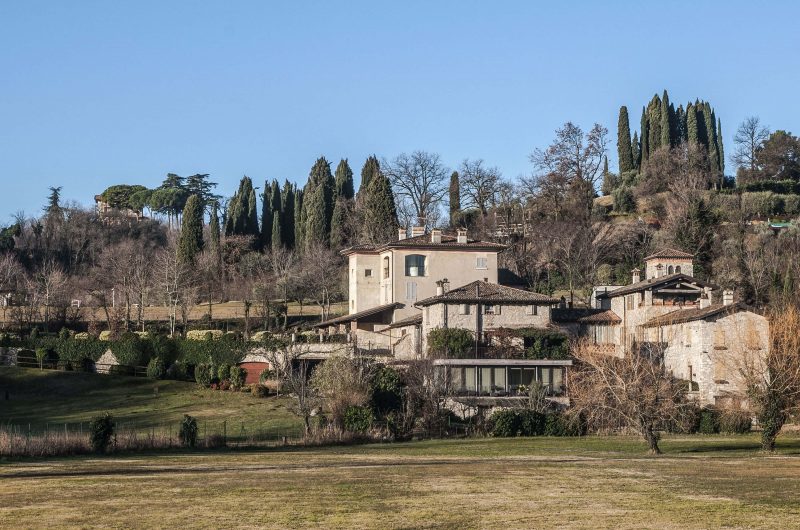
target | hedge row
x=523, y=422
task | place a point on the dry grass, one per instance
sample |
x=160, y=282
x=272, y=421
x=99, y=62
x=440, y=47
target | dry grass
x=701, y=482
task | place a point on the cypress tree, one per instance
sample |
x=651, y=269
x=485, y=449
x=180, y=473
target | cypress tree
x=252, y=215
x=277, y=238
x=666, y=136
x=680, y=125
x=711, y=128
x=230, y=216
x=608, y=179
x=624, y=151
x=645, y=133
x=344, y=180
x=380, y=212
x=654, y=125
x=455, y=198
x=692, y=130
x=370, y=168
x=299, y=225
x=339, y=238
x=266, y=218
x=318, y=203
x=636, y=154
x=190, y=243
x=214, y=244
x=720, y=149
x=287, y=214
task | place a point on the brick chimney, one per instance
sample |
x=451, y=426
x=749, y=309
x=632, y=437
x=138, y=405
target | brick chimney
x=636, y=276
x=402, y=233
x=436, y=236
x=417, y=231
x=727, y=297
x=461, y=236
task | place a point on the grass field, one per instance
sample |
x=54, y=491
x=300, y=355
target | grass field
x=594, y=482
x=52, y=398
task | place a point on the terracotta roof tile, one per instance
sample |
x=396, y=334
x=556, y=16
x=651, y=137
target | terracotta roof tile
x=689, y=315
x=485, y=292
x=669, y=253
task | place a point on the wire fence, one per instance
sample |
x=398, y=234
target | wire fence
x=86, y=365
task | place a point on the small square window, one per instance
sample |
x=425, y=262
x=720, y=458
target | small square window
x=368, y=273
x=532, y=310
x=480, y=263
x=490, y=309
x=463, y=309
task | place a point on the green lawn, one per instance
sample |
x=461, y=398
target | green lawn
x=594, y=482
x=52, y=398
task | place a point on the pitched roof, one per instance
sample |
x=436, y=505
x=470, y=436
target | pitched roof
x=449, y=241
x=652, y=283
x=358, y=316
x=669, y=253
x=410, y=321
x=481, y=292
x=689, y=315
x=585, y=316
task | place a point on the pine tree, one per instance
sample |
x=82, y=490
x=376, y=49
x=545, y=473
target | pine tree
x=287, y=214
x=277, y=237
x=645, y=133
x=371, y=168
x=636, y=154
x=190, y=243
x=344, y=180
x=666, y=121
x=624, y=151
x=455, y=198
x=380, y=212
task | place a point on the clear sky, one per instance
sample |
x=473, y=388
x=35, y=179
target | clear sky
x=101, y=93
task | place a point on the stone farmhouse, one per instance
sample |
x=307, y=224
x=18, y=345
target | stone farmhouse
x=400, y=291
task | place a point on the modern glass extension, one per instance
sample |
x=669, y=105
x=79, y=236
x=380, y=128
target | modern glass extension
x=490, y=377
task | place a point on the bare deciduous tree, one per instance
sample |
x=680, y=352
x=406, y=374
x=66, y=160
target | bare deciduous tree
x=479, y=185
x=750, y=137
x=293, y=374
x=420, y=181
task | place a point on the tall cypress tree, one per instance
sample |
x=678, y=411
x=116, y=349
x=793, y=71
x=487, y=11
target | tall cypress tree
x=654, y=125
x=645, y=133
x=370, y=168
x=287, y=214
x=215, y=246
x=190, y=243
x=299, y=224
x=252, y=215
x=339, y=232
x=666, y=121
x=277, y=237
x=636, y=154
x=455, y=198
x=344, y=180
x=624, y=151
x=720, y=149
x=318, y=203
x=692, y=131
x=711, y=128
x=266, y=218
x=608, y=179
x=380, y=212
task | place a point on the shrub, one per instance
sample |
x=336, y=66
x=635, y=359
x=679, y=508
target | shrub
x=505, y=423
x=155, y=368
x=64, y=334
x=177, y=371
x=102, y=430
x=215, y=441
x=453, y=343
x=188, y=432
x=204, y=334
x=357, y=419
x=709, y=421
x=83, y=335
x=624, y=201
x=223, y=372
x=203, y=374
x=41, y=355
x=385, y=390
x=560, y=424
x=237, y=375
x=259, y=391
x=265, y=375
x=735, y=421
x=531, y=422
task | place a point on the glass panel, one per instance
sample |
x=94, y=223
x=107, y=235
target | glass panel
x=544, y=376
x=499, y=380
x=514, y=378
x=469, y=378
x=558, y=380
x=486, y=380
x=456, y=378
x=528, y=376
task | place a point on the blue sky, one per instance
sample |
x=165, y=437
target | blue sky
x=101, y=93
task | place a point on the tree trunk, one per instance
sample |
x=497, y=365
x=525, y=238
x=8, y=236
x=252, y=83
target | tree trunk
x=651, y=437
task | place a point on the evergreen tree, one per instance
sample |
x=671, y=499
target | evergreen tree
x=318, y=203
x=190, y=243
x=711, y=128
x=636, y=154
x=287, y=214
x=251, y=226
x=692, y=131
x=371, y=168
x=654, y=125
x=624, y=151
x=455, y=198
x=339, y=237
x=609, y=182
x=344, y=180
x=201, y=186
x=266, y=217
x=720, y=149
x=242, y=215
x=680, y=125
x=213, y=227
x=666, y=121
x=645, y=133
x=299, y=224
x=277, y=232
x=380, y=212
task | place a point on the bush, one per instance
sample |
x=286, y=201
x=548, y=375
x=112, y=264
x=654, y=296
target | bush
x=531, y=423
x=188, y=432
x=237, y=375
x=453, y=343
x=203, y=374
x=155, y=368
x=177, y=371
x=64, y=334
x=259, y=391
x=223, y=372
x=102, y=430
x=215, y=441
x=357, y=419
x=560, y=424
x=709, y=421
x=505, y=423
x=204, y=334
x=265, y=375
x=385, y=390
x=624, y=201
x=735, y=421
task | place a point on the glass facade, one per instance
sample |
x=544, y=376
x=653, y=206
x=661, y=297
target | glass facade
x=504, y=380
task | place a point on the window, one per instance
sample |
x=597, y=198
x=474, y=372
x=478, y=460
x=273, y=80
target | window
x=462, y=378
x=480, y=263
x=678, y=269
x=463, y=309
x=490, y=309
x=368, y=273
x=532, y=310
x=719, y=340
x=629, y=302
x=415, y=265
x=670, y=270
x=385, y=267
x=411, y=291
x=492, y=380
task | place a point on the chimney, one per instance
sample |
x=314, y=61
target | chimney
x=441, y=286
x=705, y=298
x=727, y=297
x=417, y=231
x=402, y=233
x=436, y=236
x=636, y=276
x=462, y=236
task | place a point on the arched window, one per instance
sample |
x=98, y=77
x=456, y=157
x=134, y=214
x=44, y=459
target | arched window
x=670, y=270
x=678, y=269
x=415, y=265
